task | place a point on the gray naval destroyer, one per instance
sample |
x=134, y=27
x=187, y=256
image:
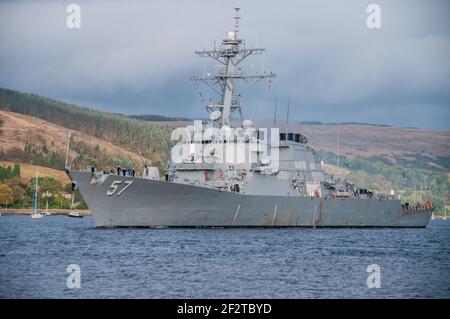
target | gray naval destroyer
x=224, y=174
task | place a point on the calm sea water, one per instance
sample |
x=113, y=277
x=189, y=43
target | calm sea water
x=220, y=263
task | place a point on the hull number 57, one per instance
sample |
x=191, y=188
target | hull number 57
x=115, y=187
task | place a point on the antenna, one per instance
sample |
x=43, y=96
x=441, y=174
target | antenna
x=287, y=115
x=230, y=54
x=236, y=18
x=35, y=192
x=275, y=115
x=338, y=150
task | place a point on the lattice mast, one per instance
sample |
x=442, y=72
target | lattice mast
x=231, y=53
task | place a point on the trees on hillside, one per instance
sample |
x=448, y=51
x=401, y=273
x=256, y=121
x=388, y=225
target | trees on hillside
x=6, y=195
x=8, y=172
x=17, y=193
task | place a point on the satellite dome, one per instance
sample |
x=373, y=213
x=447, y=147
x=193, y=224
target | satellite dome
x=214, y=116
x=247, y=124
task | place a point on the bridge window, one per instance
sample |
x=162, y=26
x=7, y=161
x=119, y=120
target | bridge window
x=290, y=136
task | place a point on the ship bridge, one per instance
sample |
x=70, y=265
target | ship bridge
x=294, y=137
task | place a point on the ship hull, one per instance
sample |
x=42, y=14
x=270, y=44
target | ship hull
x=149, y=203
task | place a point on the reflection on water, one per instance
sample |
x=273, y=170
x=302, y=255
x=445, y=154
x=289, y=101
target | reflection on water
x=219, y=263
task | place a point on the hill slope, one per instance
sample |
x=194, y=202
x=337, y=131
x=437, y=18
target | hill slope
x=28, y=172
x=133, y=135
x=361, y=139
x=30, y=140
x=368, y=140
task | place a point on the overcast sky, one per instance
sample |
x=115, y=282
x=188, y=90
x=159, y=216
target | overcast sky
x=135, y=57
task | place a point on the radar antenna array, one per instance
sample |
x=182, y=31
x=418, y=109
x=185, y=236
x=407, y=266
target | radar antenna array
x=230, y=53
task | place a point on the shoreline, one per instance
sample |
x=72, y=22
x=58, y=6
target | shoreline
x=440, y=217
x=52, y=212
x=84, y=212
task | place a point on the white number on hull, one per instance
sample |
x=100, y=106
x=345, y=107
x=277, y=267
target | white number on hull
x=114, y=186
x=127, y=184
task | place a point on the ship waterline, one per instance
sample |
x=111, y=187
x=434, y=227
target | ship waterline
x=150, y=203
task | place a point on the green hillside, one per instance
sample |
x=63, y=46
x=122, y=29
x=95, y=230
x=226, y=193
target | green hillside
x=135, y=135
x=410, y=178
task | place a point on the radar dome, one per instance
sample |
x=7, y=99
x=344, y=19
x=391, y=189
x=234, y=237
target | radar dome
x=247, y=124
x=214, y=116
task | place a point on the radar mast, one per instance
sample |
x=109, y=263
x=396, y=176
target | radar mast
x=230, y=54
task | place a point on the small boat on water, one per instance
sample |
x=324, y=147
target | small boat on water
x=35, y=214
x=47, y=213
x=73, y=213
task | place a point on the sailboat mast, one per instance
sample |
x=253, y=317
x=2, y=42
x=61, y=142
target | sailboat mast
x=35, y=192
x=287, y=117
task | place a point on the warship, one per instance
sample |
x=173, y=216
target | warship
x=225, y=172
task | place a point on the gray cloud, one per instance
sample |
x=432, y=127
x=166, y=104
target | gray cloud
x=136, y=57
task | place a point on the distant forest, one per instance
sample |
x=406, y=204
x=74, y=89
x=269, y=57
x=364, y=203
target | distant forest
x=138, y=136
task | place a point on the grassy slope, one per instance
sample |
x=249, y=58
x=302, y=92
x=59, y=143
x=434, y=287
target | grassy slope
x=133, y=135
x=28, y=172
x=19, y=130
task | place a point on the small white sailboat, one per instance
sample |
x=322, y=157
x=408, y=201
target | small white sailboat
x=47, y=213
x=73, y=213
x=35, y=214
x=445, y=214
